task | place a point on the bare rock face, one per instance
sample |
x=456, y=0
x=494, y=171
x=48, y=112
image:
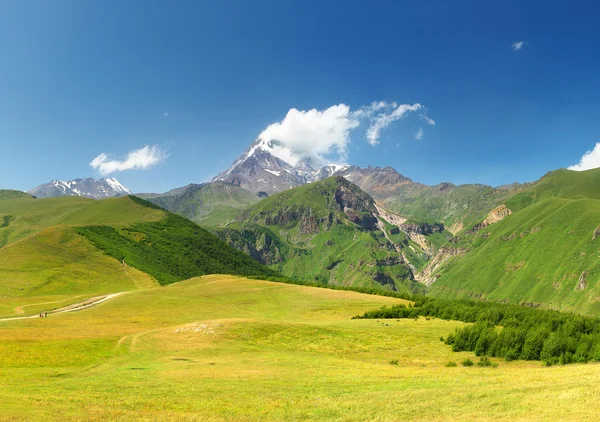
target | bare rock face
x=582, y=282
x=497, y=214
x=422, y=228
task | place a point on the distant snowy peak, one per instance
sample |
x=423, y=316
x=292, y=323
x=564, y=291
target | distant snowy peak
x=88, y=188
x=263, y=168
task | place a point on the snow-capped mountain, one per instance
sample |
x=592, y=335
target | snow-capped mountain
x=88, y=187
x=259, y=169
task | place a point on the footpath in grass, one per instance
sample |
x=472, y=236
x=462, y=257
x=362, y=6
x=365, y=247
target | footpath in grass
x=228, y=348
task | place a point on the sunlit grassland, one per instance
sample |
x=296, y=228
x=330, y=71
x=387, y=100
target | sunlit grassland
x=26, y=216
x=227, y=348
x=56, y=267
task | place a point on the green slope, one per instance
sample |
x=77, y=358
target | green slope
x=23, y=216
x=325, y=231
x=69, y=245
x=544, y=254
x=172, y=249
x=211, y=204
x=12, y=194
x=458, y=207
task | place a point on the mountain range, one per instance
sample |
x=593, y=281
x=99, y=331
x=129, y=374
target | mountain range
x=87, y=188
x=533, y=243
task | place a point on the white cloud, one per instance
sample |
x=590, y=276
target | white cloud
x=518, y=45
x=383, y=120
x=590, y=160
x=313, y=133
x=427, y=120
x=318, y=134
x=419, y=135
x=139, y=159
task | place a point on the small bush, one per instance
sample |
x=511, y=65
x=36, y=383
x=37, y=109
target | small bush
x=450, y=364
x=442, y=338
x=485, y=362
x=394, y=362
x=467, y=362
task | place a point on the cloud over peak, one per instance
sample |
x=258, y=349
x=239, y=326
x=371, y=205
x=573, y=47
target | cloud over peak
x=139, y=159
x=317, y=134
x=590, y=160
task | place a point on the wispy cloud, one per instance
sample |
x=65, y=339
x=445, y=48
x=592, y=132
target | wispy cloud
x=427, y=120
x=317, y=134
x=518, y=45
x=590, y=160
x=383, y=119
x=419, y=135
x=139, y=159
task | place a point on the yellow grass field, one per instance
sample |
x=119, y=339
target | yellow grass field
x=226, y=348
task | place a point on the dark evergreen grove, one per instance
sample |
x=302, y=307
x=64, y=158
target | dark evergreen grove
x=173, y=249
x=508, y=331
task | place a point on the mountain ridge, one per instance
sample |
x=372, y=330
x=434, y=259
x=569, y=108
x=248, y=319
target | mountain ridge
x=85, y=187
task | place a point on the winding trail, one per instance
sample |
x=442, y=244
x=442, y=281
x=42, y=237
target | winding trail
x=71, y=308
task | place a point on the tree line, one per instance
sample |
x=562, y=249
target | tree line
x=508, y=331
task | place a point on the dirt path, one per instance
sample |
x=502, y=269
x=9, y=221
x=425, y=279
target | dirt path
x=20, y=310
x=71, y=308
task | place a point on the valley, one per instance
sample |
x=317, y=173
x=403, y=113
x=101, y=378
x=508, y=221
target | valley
x=215, y=302
x=223, y=348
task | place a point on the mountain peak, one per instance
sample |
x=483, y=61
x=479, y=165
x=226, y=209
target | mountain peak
x=86, y=187
x=264, y=167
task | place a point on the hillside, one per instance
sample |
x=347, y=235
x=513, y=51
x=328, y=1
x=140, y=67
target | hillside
x=331, y=232
x=211, y=204
x=24, y=215
x=12, y=194
x=223, y=348
x=544, y=253
x=67, y=246
x=457, y=207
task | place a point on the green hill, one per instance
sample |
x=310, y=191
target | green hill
x=544, y=254
x=223, y=348
x=66, y=246
x=328, y=231
x=211, y=204
x=458, y=207
x=23, y=216
x=12, y=194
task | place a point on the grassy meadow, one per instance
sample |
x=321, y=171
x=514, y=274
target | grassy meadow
x=227, y=348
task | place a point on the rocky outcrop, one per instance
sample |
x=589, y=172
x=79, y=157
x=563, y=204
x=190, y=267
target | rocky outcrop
x=255, y=242
x=497, y=214
x=428, y=276
x=582, y=282
x=391, y=218
x=422, y=228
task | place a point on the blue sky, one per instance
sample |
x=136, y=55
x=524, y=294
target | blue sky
x=201, y=80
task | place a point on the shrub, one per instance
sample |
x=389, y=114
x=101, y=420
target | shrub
x=450, y=364
x=485, y=362
x=526, y=333
x=467, y=362
x=394, y=362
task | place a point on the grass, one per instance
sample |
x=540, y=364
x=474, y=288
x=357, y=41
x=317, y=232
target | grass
x=225, y=348
x=58, y=266
x=24, y=216
x=535, y=255
x=310, y=237
x=209, y=204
